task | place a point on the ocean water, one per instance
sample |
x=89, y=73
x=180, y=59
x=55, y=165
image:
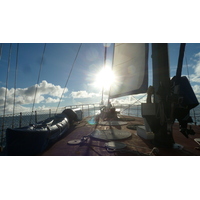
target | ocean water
x=26, y=119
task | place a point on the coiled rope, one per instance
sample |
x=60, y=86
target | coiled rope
x=68, y=78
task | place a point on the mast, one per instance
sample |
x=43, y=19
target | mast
x=160, y=63
x=105, y=54
x=161, y=84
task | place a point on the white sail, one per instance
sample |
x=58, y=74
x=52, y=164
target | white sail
x=130, y=66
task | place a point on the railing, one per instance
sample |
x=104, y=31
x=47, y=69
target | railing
x=24, y=119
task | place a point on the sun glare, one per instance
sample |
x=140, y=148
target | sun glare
x=104, y=78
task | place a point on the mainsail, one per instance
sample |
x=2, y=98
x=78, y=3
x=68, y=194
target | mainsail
x=130, y=66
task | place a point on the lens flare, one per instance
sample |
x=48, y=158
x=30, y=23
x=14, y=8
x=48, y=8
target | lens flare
x=104, y=78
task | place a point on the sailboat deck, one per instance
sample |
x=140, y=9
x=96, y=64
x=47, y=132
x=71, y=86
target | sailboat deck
x=135, y=145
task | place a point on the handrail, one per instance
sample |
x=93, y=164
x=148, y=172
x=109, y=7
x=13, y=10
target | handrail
x=22, y=119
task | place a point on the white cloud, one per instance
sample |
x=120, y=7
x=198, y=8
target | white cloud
x=132, y=99
x=84, y=94
x=18, y=109
x=197, y=55
x=195, y=77
x=197, y=69
x=52, y=100
x=25, y=96
x=196, y=88
x=44, y=88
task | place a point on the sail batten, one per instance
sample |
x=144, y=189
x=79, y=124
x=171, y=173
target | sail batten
x=130, y=69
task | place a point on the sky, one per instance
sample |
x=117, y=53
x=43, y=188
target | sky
x=55, y=61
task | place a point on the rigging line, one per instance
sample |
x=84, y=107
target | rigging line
x=194, y=114
x=8, y=70
x=187, y=68
x=15, y=84
x=4, y=110
x=68, y=77
x=180, y=61
x=105, y=54
x=137, y=100
x=112, y=70
x=38, y=81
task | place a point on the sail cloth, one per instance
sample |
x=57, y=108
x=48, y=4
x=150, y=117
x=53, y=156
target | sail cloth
x=130, y=66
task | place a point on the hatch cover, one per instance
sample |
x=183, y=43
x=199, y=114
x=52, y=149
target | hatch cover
x=74, y=142
x=115, y=145
x=112, y=123
x=110, y=134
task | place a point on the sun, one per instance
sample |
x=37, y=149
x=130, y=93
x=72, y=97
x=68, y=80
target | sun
x=104, y=78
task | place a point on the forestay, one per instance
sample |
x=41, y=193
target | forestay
x=130, y=66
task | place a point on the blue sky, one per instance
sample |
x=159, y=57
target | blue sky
x=58, y=60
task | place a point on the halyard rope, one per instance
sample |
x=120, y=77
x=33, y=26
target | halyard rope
x=15, y=84
x=195, y=121
x=4, y=110
x=38, y=81
x=68, y=78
